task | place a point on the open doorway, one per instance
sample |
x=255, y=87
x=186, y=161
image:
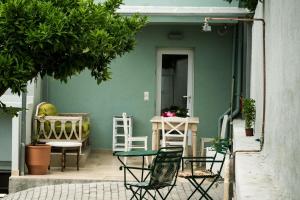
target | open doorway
x=174, y=80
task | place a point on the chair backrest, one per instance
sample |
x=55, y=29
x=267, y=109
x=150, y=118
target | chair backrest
x=125, y=129
x=218, y=158
x=174, y=128
x=165, y=167
x=224, y=127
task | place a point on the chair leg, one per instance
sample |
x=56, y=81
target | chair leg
x=202, y=148
x=205, y=191
x=146, y=148
x=196, y=186
x=134, y=193
x=165, y=197
x=139, y=194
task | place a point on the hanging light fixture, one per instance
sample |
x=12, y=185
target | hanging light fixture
x=206, y=27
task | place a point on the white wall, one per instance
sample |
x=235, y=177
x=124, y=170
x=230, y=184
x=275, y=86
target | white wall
x=282, y=131
x=33, y=97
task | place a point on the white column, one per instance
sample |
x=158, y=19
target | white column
x=15, y=145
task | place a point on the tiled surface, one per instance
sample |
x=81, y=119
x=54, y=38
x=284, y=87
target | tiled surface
x=100, y=178
x=102, y=190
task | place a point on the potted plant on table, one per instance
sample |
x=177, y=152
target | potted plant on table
x=249, y=114
x=37, y=157
x=175, y=111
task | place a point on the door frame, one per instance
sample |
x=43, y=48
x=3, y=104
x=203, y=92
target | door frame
x=190, y=79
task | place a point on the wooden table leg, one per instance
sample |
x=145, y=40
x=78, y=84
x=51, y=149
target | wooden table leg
x=154, y=140
x=194, y=143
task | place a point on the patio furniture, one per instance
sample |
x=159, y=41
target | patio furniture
x=66, y=147
x=210, y=140
x=157, y=126
x=173, y=133
x=139, y=153
x=197, y=176
x=162, y=173
x=133, y=142
x=118, y=132
x=53, y=126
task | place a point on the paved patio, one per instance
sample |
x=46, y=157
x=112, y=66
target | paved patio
x=98, y=178
x=101, y=190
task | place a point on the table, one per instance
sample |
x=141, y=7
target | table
x=67, y=147
x=142, y=153
x=156, y=127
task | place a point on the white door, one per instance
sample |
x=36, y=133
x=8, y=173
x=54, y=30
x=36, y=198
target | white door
x=174, y=79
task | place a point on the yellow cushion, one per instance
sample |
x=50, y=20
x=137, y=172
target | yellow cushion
x=47, y=109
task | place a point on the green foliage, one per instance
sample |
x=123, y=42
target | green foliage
x=250, y=4
x=35, y=139
x=221, y=145
x=9, y=110
x=61, y=38
x=179, y=112
x=249, y=112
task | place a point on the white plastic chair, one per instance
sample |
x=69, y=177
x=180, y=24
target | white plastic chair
x=210, y=140
x=133, y=142
x=174, y=132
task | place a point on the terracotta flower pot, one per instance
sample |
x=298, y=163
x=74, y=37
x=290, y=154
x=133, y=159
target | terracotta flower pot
x=37, y=158
x=249, y=131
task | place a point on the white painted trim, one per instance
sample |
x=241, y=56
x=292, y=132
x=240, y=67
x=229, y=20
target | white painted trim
x=190, y=85
x=181, y=11
x=16, y=121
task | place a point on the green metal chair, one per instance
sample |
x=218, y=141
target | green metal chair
x=197, y=176
x=162, y=174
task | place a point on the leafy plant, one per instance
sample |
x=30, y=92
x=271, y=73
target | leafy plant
x=221, y=145
x=61, y=38
x=177, y=111
x=249, y=112
x=35, y=139
x=250, y=4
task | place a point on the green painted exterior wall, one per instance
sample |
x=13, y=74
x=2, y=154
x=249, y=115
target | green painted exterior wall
x=5, y=137
x=134, y=73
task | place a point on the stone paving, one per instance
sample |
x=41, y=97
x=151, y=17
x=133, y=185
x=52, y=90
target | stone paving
x=102, y=190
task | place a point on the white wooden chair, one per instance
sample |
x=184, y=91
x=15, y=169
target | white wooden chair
x=133, y=142
x=174, y=133
x=210, y=140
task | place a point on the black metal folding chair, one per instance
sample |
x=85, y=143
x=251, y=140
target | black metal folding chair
x=197, y=176
x=162, y=174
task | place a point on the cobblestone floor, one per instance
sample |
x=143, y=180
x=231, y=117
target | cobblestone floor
x=101, y=190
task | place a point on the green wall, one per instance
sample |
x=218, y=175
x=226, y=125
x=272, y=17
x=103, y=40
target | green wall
x=5, y=138
x=134, y=73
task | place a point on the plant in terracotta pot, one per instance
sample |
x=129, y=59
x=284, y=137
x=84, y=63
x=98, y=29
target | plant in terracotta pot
x=37, y=157
x=249, y=114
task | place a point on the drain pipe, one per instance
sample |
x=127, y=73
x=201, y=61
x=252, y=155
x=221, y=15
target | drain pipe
x=264, y=82
x=206, y=19
x=229, y=110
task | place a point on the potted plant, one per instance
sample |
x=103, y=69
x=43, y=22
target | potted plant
x=175, y=111
x=221, y=145
x=37, y=157
x=249, y=114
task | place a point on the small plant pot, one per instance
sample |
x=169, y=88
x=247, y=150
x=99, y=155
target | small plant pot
x=37, y=158
x=249, y=131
